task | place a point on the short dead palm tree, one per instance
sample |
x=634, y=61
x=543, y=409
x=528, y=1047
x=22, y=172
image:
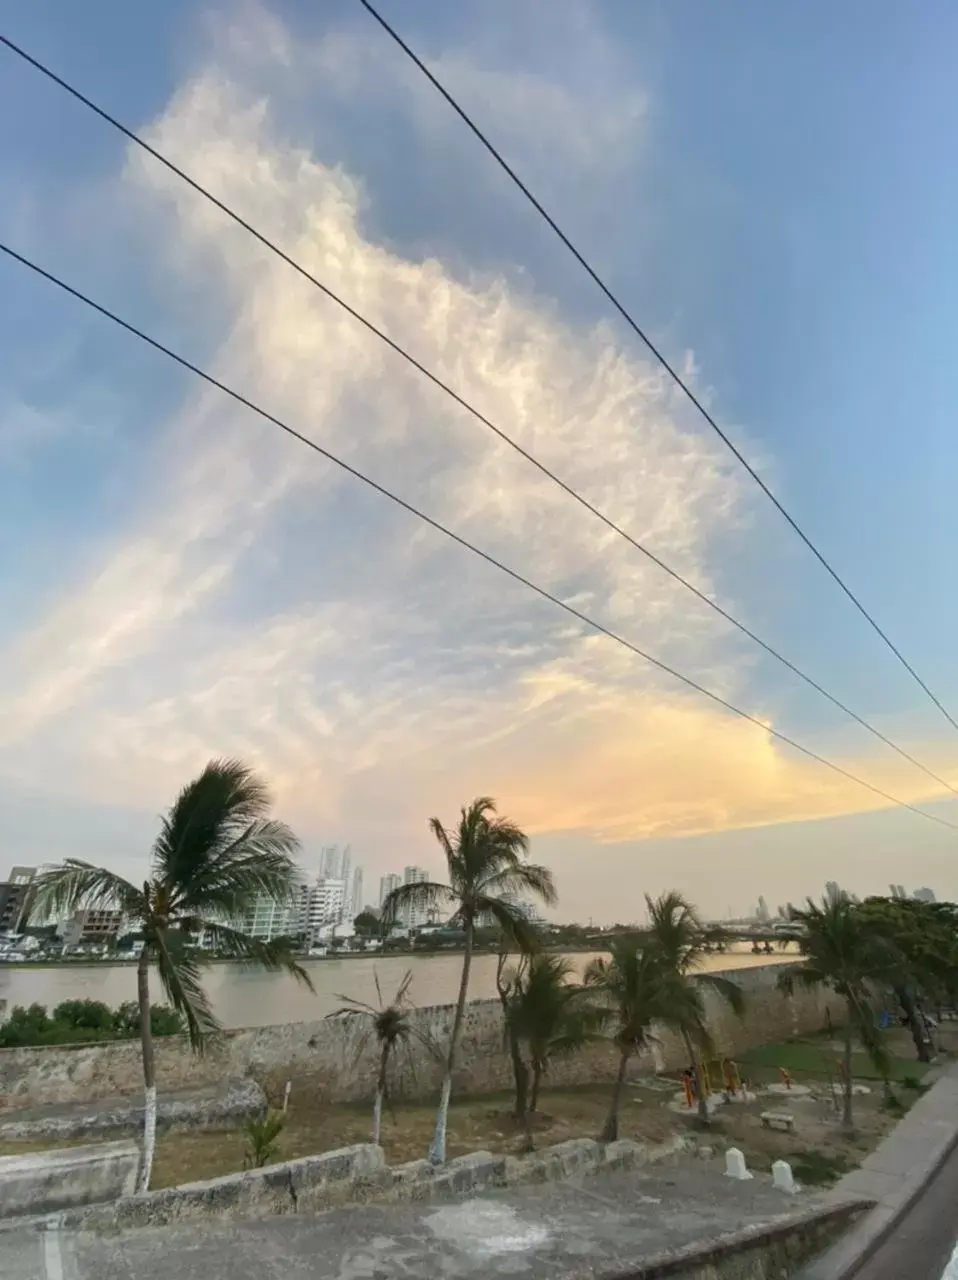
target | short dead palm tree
x=681, y=939
x=392, y=1026
x=842, y=952
x=485, y=859
x=216, y=855
x=636, y=989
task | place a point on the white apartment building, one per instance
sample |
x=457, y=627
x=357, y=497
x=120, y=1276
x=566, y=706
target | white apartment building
x=411, y=915
x=325, y=905
x=386, y=886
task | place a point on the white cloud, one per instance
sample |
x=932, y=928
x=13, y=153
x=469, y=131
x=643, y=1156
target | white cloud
x=264, y=605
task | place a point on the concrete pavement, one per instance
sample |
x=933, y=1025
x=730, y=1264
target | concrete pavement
x=601, y=1225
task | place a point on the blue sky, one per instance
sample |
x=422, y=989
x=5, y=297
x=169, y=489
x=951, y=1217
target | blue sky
x=769, y=191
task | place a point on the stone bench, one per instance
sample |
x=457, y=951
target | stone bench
x=41, y=1182
x=778, y=1120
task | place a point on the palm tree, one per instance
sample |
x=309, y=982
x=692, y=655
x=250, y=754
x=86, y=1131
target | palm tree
x=216, y=854
x=636, y=988
x=507, y=984
x=843, y=953
x=392, y=1026
x=485, y=861
x=679, y=936
x=550, y=1015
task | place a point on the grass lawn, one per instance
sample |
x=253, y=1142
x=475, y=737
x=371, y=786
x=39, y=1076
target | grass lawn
x=819, y=1059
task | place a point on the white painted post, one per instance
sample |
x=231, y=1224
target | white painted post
x=286, y=1093
x=735, y=1166
x=782, y=1177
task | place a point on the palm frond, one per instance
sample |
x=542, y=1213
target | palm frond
x=179, y=971
x=524, y=878
x=518, y=933
x=217, y=848
x=77, y=885
x=426, y=895
x=730, y=991
x=274, y=956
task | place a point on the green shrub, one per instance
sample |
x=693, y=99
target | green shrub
x=89, y=1014
x=82, y=1022
x=262, y=1139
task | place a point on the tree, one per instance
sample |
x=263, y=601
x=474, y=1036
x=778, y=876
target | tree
x=924, y=939
x=637, y=988
x=392, y=1026
x=549, y=1015
x=842, y=952
x=216, y=854
x=92, y=1015
x=680, y=938
x=367, y=925
x=485, y=858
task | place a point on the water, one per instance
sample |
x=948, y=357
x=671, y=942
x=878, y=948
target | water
x=249, y=998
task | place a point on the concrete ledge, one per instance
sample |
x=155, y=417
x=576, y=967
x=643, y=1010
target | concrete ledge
x=893, y=1177
x=762, y=1252
x=220, y=1106
x=277, y=1189
x=50, y=1181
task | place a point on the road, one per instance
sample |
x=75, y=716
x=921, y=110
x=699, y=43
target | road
x=920, y=1246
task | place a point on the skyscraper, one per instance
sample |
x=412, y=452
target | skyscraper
x=386, y=886
x=356, y=900
x=413, y=915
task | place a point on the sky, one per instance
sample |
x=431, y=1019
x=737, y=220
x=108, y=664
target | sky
x=770, y=191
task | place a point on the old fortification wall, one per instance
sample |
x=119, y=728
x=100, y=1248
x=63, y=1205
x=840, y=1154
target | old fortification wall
x=339, y=1061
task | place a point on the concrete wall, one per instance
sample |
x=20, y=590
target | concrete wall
x=339, y=1062
x=48, y=1181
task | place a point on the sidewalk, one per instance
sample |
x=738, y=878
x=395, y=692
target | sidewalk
x=894, y=1176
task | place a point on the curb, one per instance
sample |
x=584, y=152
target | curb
x=893, y=1177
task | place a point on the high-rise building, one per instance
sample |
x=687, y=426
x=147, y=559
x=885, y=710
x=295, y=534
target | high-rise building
x=330, y=862
x=356, y=900
x=386, y=886
x=762, y=914
x=898, y=891
x=15, y=899
x=924, y=895
x=325, y=905
x=413, y=915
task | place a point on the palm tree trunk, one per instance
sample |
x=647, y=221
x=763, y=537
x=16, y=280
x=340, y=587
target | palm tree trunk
x=536, y=1078
x=610, y=1131
x=916, y=1024
x=702, y=1106
x=848, y=1120
x=380, y=1093
x=149, y=1075
x=437, y=1152
x=520, y=1073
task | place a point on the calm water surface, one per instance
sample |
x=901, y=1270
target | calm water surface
x=245, y=998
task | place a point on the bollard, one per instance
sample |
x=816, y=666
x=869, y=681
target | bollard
x=735, y=1166
x=782, y=1177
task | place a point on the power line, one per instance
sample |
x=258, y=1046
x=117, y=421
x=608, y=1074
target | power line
x=460, y=540
x=654, y=351
x=471, y=409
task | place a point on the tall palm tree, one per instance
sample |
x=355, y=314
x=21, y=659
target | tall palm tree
x=843, y=952
x=550, y=1015
x=392, y=1026
x=679, y=936
x=636, y=988
x=216, y=854
x=485, y=858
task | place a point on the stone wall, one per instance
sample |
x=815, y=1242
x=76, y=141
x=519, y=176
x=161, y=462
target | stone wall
x=338, y=1060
